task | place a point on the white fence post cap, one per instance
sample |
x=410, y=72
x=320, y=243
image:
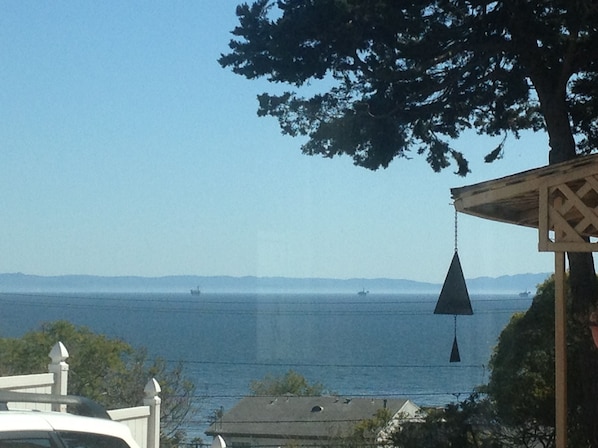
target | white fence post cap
x=59, y=353
x=152, y=388
x=218, y=442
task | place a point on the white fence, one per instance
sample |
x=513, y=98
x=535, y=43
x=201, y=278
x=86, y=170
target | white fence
x=144, y=421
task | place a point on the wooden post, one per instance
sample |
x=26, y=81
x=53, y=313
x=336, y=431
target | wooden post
x=152, y=389
x=60, y=369
x=560, y=346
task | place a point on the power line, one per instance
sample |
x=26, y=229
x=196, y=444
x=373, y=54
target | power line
x=299, y=364
x=379, y=394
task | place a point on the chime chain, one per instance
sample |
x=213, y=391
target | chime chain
x=456, y=227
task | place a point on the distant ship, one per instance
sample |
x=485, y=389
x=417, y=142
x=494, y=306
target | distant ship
x=363, y=292
x=195, y=291
x=524, y=294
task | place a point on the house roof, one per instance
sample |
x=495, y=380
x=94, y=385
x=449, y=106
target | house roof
x=300, y=417
x=515, y=199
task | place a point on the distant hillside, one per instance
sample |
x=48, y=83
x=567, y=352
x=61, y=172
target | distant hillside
x=183, y=283
x=507, y=283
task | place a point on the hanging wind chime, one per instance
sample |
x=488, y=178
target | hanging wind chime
x=454, y=298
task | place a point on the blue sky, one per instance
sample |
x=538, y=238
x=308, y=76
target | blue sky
x=127, y=150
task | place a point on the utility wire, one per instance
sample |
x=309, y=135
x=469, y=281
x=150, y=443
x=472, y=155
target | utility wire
x=299, y=364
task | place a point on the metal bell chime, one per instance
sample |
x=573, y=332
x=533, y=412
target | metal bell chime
x=454, y=298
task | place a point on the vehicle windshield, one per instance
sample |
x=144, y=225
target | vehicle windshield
x=86, y=440
x=27, y=441
x=62, y=439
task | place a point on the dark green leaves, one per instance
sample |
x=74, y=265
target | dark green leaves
x=495, y=154
x=388, y=76
x=290, y=383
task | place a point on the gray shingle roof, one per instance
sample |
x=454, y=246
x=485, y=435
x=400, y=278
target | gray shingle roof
x=299, y=417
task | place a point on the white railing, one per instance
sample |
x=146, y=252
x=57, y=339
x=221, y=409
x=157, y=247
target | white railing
x=39, y=383
x=143, y=421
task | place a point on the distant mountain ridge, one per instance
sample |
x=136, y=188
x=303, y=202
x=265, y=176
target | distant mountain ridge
x=19, y=282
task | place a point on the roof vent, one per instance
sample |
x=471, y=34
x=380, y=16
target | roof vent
x=317, y=408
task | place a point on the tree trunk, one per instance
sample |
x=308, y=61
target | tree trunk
x=583, y=289
x=553, y=102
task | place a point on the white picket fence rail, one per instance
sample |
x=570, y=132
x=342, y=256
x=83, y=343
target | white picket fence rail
x=144, y=421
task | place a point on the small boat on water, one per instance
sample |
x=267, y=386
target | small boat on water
x=195, y=291
x=525, y=294
x=363, y=292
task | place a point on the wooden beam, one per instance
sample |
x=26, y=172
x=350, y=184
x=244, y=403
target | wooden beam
x=560, y=345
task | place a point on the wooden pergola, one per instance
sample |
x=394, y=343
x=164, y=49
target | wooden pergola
x=561, y=201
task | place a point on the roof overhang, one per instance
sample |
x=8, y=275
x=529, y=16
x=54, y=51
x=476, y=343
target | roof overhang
x=559, y=200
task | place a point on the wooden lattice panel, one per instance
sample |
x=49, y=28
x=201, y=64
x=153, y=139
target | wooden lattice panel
x=568, y=215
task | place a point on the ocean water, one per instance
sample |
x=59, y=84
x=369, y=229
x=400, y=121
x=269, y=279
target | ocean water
x=379, y=345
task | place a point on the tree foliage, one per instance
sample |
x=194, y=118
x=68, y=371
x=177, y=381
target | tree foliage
x=109, y=371
x=523, y=375
x=290, y=383
x=469, y=423
x=387, y=77
x=522, y=366
x=365, y=433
